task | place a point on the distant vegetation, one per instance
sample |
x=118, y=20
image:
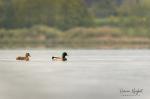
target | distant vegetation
x=62, y=14
x=75, y=23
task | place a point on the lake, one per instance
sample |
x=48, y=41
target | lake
x=88, y=74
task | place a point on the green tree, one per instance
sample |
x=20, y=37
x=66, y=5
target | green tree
x=7, y=14
x=73, y=13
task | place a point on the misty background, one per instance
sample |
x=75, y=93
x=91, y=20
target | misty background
x=74, y=24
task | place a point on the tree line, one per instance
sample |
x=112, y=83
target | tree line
x=65, y=14
x=56, y=13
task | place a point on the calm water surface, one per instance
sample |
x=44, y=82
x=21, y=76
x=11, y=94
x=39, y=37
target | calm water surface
x=88, y=74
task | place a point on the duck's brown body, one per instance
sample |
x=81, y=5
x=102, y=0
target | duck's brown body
x=22, y=58
x=26, y=57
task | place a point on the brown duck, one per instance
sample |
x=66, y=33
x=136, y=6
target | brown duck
x=26, y=57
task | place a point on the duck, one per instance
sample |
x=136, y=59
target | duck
x=63, y=58
x=26, y=57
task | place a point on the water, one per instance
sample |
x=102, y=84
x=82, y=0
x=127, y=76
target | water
x=88, y=74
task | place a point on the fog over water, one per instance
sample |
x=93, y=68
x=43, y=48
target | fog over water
x=88, y=74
